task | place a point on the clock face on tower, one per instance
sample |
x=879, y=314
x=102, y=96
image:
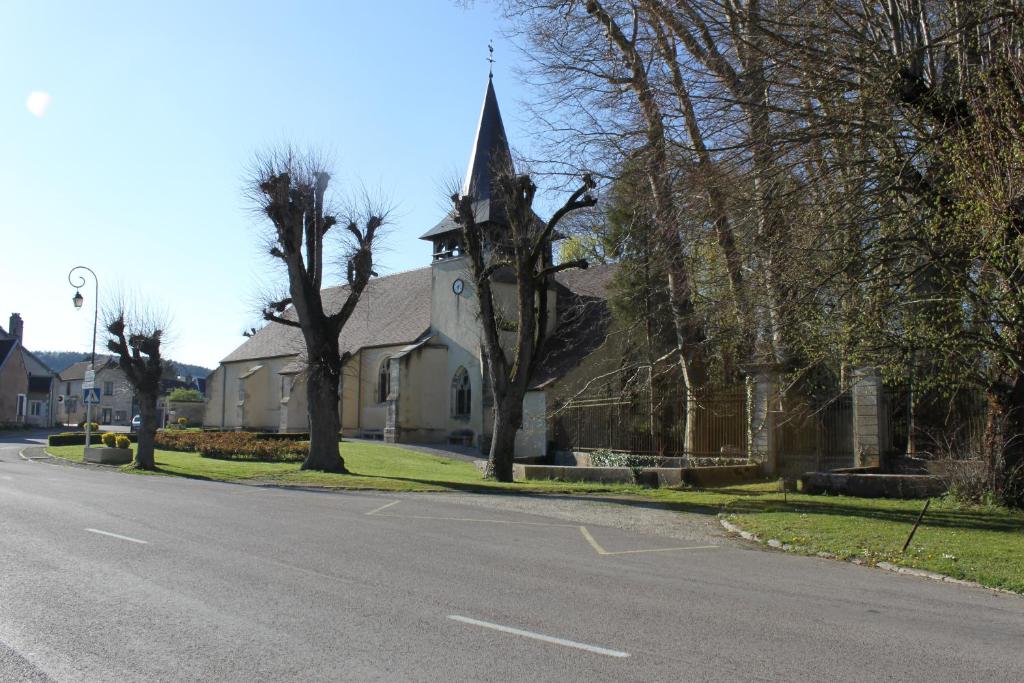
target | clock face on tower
x=458, y=286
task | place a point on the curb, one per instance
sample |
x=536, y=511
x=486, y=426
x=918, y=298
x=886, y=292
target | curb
x=43, y=455
x=887, y=566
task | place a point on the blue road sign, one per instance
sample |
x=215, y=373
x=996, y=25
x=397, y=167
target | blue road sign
x=91, y=395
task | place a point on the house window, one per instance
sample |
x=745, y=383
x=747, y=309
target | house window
x=108, y=388
x=21, y=405
x=35, y=408
x=461, y=395
x=384, y=381
x=241, y=390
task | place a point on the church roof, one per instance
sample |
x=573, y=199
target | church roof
x=584, y=318
x=490, y=153
x=394, y=309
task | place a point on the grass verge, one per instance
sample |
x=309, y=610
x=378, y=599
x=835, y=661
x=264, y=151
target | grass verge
x=983, y=544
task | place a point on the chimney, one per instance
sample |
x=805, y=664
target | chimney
x=16, y=327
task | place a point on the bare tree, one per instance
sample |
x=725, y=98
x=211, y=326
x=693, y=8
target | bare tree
x=524, y=250
x=136, y=337
x=290, y=189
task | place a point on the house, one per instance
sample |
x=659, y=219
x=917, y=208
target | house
x=117, y=400
x=27, y=388
x=414, y=371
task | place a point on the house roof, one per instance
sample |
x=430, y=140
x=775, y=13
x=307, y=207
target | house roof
x=394, y=309
x=490, y=154
x=77, y=371
x=6, y=346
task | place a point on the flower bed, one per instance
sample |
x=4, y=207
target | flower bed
x=232, y=446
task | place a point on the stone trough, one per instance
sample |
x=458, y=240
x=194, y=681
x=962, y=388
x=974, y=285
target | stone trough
x=104, y=455
x=650, y=476
x=904, y=478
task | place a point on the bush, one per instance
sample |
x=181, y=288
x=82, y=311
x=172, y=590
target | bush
x=608, y=458
x=93, y=426
x=109, y=439
x=76, y=439
x=185, y=395
x=13, y=426
x=123, y=441
x=182, y=421
x=233, y=446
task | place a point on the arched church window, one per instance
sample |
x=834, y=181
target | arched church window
x=384, y=381
x=461, y=394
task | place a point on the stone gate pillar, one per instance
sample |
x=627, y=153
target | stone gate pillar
x=870, y=418
x=762, y=413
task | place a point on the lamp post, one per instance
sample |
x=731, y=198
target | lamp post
x=78, y=300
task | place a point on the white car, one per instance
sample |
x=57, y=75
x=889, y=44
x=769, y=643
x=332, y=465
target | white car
x=136, y=423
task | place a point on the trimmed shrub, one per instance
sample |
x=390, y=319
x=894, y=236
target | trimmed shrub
x=109, y=439
x=284, y=436
x=77, y=439
x=182, y=421
x=232, y=446
x=123, y=441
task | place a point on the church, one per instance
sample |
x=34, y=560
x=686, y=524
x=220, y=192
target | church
x=414, y=371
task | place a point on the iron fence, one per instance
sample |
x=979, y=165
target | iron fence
x=814, y=434
x=639, y=425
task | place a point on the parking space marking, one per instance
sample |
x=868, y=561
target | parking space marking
x=600, y=550
x=113, y=535
x=540, y=636
x=385, y=506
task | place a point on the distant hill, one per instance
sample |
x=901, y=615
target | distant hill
x=59, y=361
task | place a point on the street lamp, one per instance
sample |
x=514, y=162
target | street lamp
x=78, y=300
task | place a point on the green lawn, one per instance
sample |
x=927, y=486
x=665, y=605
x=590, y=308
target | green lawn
x=979, y=544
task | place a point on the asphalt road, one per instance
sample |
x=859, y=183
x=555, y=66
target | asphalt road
x=113, y=577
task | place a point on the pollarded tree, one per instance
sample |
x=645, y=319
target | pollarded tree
x=290, y=189
x=136, y=340
x=521, y=248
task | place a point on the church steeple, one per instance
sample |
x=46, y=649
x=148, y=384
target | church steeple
x=491, y=155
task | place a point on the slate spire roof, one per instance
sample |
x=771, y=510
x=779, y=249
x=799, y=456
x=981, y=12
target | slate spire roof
x=490, y=154
x=490, y=149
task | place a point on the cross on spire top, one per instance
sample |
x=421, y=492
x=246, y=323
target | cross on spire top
x=490, y=59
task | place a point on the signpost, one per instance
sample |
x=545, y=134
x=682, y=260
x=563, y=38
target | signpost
x=91, y=396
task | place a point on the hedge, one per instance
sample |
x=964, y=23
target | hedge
x=233, y=446
x=78, y=439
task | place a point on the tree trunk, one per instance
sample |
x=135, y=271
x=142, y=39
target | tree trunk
x=508, y=418
x=1004, y=441
x=324, y=422
x=144, y=451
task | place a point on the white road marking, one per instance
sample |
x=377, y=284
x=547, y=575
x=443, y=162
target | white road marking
x=112, y=535
x=599, y=549
x=539, y=636
x=383, y=507
x=7, y=478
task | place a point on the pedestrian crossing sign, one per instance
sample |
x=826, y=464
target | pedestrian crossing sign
x=91, y=395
